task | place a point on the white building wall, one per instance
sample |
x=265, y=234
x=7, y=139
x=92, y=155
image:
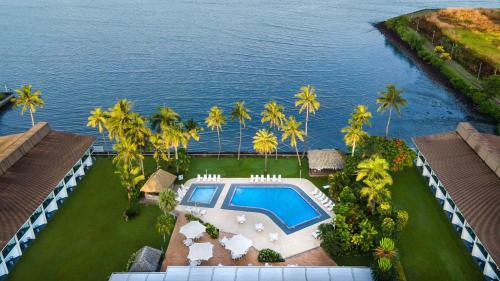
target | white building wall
x=80, y=172
x=466, y=236
x=3, y=266
x=448, y=207
x=490, y=272
x=71, y=182
x=52, y=206
x=456, y=220
x=440, y=194
x=477, y=253
x=41, y=220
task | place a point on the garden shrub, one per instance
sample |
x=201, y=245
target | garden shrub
x=131, y=211
x=269, y=255
x=211, y=230
x=395, y=151
x=130, y=261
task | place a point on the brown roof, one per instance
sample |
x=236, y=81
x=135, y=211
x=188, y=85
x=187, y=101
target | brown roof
x=471, y=182
x=158, y=181
x=31, y=178
x=325, y=159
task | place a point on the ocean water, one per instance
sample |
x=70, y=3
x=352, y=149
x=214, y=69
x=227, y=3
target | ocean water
x=191, y=55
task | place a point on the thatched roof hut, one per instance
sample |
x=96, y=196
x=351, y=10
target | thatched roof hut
x=158, y=181
x=324, y=161
x=147, y=259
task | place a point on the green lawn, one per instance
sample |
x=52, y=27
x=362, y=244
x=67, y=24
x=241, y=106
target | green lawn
x=430, y=248
x=88, y=239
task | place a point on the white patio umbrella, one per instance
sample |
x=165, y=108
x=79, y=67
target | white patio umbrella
x=200, y=251
x=238, y=245
x=192, y=230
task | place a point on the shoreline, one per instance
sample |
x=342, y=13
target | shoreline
x=433, y=73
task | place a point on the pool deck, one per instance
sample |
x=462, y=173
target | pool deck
x=288, y=244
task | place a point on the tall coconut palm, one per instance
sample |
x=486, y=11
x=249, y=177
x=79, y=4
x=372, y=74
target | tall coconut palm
x=215, y=121
x=192, y=131
x=157, y=144
x=375, y=192
x=127, y=152
x=164, y=116
x=291, y=129
x=374, y=168
x=97, y=119
x=177, y=138
x=119, y=118
x=353, y=134
x=265, y=142
x=138, y=134
x=240, y=113
x=391, y=99
x=130, y=176
x=361, y=115
x=28, y=100
x=386, y=249
x=306, y=101
x=274, y=115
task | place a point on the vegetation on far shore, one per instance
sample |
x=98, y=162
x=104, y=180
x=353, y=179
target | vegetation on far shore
x=441, y=53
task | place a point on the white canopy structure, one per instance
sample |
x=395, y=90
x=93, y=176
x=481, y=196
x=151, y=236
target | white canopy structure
x=238, y=245
x=192, y=230
x=200, y=251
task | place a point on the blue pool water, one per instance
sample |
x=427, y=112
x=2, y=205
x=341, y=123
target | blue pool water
x=284, y=202
x=202, y=195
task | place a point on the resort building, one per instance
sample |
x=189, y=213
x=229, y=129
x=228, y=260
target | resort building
x=250, y=273
x=323, y=162
x=38, y=170
x=463, y=171
x=156, y=183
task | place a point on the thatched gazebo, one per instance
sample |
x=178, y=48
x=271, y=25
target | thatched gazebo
x=324, y=161
x=156, y=183
x=147, y=259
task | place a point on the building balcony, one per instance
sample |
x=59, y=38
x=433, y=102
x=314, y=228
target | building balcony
x=35, y=216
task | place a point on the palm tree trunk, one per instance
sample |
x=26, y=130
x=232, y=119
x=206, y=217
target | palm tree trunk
x=218, y=138
x=307, y=125
x=176, y=153
x=141, y=162
x=265, y=163
x=298, y=156
x=32, y=119
x=277, y=145
x=353, y=148
x=388, y=122
x=105, y=142
x=239, y=146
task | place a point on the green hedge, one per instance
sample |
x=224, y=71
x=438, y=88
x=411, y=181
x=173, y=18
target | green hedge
x=269, y=255
x=212, y=231
x=485, y=105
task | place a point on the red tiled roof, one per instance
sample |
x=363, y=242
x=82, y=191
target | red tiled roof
x=28, y=181
x=471, y=182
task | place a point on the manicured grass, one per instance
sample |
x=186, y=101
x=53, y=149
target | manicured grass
x=430, y=248
x=88, y=238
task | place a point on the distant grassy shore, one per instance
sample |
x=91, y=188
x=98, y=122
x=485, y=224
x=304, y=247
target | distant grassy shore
x=469, y=61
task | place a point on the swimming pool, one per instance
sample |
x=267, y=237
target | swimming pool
x=287, y=205
x=203, y=195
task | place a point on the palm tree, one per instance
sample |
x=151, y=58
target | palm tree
x=165, y=225
x=240, y=113
x=374, y=168
x=361, y=115
x=97, y=119
x=291, y=129
x=389, y=100
x=386, y=249
x=165, y=116
x=353, y=134
x=306, y=100
x=127, y=152
x=375, y=192
x=130, y=176
x=264, y=142
x=214, y=121
x=28, y=100
x=273, y=114
x=177, y=138
x=192, y=130
x=119, y=118
x=166, y=201
x=157, y=143
x=138, y=134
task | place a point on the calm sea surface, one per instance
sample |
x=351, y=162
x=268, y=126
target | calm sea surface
x=191, y=55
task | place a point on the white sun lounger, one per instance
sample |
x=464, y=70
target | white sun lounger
x=320, y=196
x=274, y=178
x=326, y=199
x=251, y=178
x=268, y=178
x=315, y=192
x=279, y=178
x=198, y=178
x=204, y=177
x=262, y=178
x=218, y=177
x=316, y=234
x=203, y=212
x=331, y=208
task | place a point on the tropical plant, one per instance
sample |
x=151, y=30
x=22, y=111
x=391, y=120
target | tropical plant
x=361, y=116
x=191, y=130
x=274, y=115
x=165, y=226
x=386, y=249
x=269, y=255
x=374, y=168
x=291, y=129
x=28, y=100
x=138, y=134
x=130, y=176
x=306, y=101
x=119, y=119
x=215, y=121
x=383, y=270
x=391, y=99
x=127, y=152
x=166, y=201
x=97, y=119
x=353, y=134
x=164, y=116
x=177, y=137
x=264, y=142
x=240, y=113
x=157, y=144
